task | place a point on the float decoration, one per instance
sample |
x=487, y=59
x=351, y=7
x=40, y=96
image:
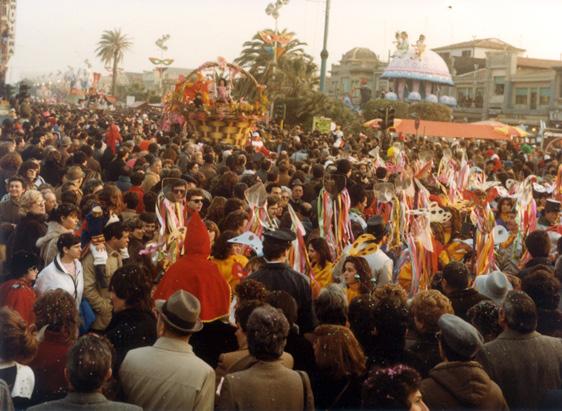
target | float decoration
x=220, y=101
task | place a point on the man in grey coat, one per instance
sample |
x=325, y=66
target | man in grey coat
x=524, y=363
x=88, y=367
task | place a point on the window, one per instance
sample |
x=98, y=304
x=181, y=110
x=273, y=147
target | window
x=467, y=53
x=499, y=85
x=544, y=96
x=521, y=96
x=346, y=85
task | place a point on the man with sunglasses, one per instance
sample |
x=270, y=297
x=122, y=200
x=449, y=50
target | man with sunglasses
x=195, y=200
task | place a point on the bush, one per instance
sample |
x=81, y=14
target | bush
x=372, y=107
x=430, y=111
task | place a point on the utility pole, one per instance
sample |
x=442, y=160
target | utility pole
x=324, y=53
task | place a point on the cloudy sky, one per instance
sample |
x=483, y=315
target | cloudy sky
x=54, y=34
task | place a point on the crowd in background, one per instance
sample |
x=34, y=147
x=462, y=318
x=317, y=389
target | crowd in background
x=94, y=317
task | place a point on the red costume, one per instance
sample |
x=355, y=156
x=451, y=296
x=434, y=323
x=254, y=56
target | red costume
x=193, y=272
x=18, y=295
x=112, y=137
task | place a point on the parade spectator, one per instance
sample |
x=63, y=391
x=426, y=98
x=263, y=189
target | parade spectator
x=544, y=289
x=133, y=324
x=18, y=345
x=64, y=219
x=426, y=309
x=394, y=388
x=65, y=271
x=56, y=311
x=340, y=366
x=523, y=378
x=17, y=293
x=88, y=368
x=484, y=316
x=538, y=245
x=32, y=225
x=321, y=261
x=168, y=375
x=459, y=381
x=331, y=306
x=268, y=384
x=10, y=207
x=455, y=282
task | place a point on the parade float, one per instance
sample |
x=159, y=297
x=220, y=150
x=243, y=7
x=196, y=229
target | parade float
x=417, y=73
x=218, y=101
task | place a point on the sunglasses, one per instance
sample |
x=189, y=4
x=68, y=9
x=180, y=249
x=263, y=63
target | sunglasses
x=178, y=191
x=196, y=200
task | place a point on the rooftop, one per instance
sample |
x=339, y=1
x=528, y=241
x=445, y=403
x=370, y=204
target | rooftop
x=359, y=53
x=490, y=43
x=538, y=63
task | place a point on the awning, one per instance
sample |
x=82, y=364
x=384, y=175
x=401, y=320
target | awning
x=451, y=130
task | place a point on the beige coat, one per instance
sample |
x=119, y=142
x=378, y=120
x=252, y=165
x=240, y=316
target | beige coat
x=98, y=297
x=48, y=243
x=266, y=386
x=168, y=376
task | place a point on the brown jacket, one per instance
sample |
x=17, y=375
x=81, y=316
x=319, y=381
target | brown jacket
x=98, y=297
x=266, y=386
x=525, y=366
x=240, y=360
x=458, y=385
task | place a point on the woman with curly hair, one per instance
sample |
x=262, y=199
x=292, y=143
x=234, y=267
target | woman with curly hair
x=340, y=366
x=56, y=310
x=228, y=258
x=426, y=309
x=18, y=345
x=321, y=262
x=357, y=277
x=395, y=388
x=133, y=324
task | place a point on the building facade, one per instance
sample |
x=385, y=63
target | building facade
x=503, y=84
x=358, y=68
x=7, y=35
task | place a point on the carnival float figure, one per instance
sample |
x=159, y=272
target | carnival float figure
x=418, y=71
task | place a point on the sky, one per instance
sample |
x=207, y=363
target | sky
x=54, y=34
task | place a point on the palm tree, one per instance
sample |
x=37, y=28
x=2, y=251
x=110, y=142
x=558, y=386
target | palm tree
x=111, y=50
x=257, y=58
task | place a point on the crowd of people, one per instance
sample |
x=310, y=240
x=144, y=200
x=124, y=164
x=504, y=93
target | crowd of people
x=143, y=268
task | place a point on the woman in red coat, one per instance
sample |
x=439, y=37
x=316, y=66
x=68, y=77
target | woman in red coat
x=17, y=293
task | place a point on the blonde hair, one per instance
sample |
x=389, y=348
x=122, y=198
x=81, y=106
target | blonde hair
x=29, y=198
x=428, y=306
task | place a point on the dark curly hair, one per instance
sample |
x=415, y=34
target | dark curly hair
x=244, y=310
x=390, y=388
x=363, y=271
x=250, y=290
x=267, y=332
x=133, y=284
x=543, y=288
x=484, y=316
x=57, y=309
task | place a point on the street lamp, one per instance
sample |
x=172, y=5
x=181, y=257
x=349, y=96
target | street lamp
x=324, y=53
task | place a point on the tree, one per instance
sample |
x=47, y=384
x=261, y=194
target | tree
x=430, y=111
x=111, y=50
x=294, y=69
x=372, y=107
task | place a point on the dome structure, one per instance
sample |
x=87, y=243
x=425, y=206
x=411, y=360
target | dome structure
x=359, y=54
x=427, y=67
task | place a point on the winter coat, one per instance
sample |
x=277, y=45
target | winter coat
x=29, y=230
x=18, y=295
x=460, y=385
x=48, y=243
x=525, y=366
x=130, y=328
x=55, y=276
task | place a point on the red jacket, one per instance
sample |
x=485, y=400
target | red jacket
x=19, y=296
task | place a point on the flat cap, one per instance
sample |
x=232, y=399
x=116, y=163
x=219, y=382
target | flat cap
x=460, y=336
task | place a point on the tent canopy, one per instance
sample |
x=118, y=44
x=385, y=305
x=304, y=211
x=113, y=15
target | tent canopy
x=450, y=130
